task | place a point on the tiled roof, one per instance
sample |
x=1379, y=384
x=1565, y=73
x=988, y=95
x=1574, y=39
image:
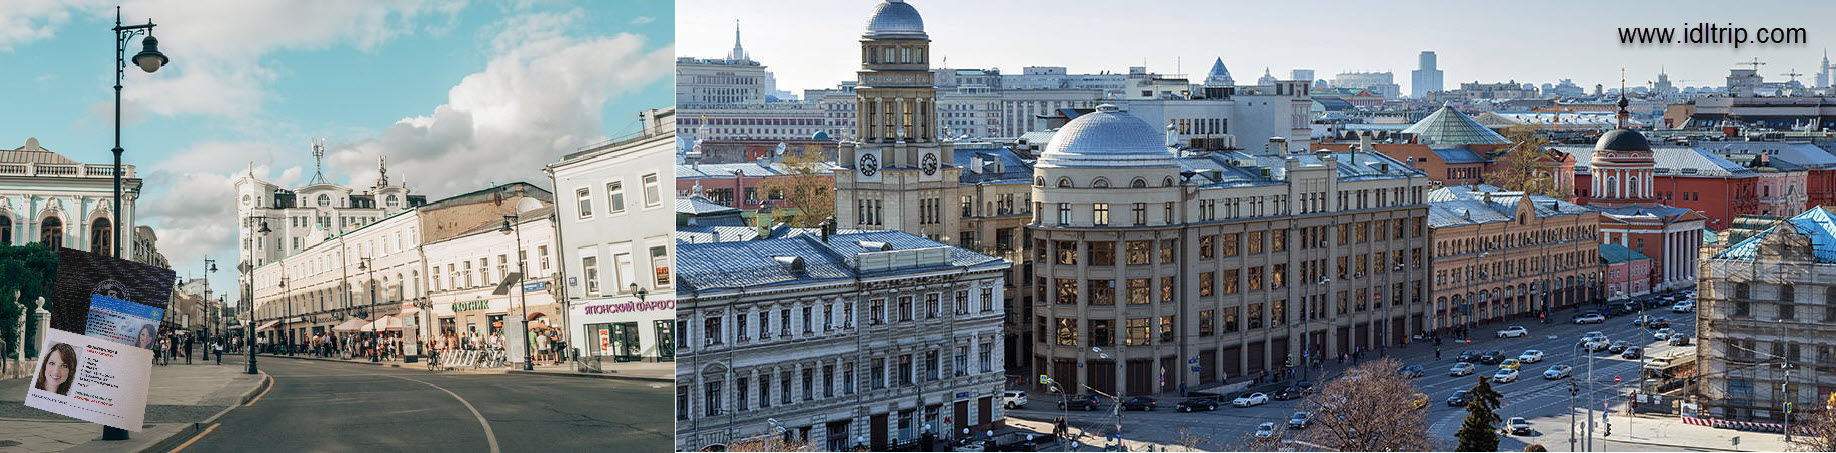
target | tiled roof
x=1696, y=162
x=1459, y=155
x=700, y=205
x=1800, y=153
x=753, y=169
x=1466, y=205
x=750, y=264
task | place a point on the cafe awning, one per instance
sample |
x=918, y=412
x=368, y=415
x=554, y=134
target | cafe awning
x=385, y=323
x=268, y=325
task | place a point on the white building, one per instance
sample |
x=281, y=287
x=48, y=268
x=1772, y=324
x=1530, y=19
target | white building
x=46, y=197
x=615, y=220
x=1245, y=118
x=303, y=217
x=462, y=305
x=1381, y=83
x=1426, y=78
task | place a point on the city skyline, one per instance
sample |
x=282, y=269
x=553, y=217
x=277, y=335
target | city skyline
x=444, y=91
x=1468, y=50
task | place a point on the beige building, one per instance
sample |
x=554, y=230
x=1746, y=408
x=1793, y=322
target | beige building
x=1149, y=265
x=1503, y=255
x=1766, y=316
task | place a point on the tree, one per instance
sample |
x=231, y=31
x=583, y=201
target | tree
x=768, y=443
x=1369, y=408
x=28, y=272
x=807, y=185
x=1477, y=433
x=1535, y=447
x=1522, y=167
x=1821, y=423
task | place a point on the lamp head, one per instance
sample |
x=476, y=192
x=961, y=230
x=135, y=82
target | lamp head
x=149, y=59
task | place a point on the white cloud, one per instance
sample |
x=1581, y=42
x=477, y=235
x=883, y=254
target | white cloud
x=25, y=21
x=641, y=20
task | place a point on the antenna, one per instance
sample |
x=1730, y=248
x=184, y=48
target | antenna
x=1755, y=63
x=318, y=161
x=1793, y=73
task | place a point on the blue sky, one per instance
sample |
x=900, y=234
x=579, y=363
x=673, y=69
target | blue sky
x=815, y=43
x=456, y=94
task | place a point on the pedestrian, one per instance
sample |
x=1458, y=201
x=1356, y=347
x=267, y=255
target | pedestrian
x=219, y=349
x=190, y=343
x=1437, y=353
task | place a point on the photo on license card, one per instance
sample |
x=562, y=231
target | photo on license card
x=123, y=322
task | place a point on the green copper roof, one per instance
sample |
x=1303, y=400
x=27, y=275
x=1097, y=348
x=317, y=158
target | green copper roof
x=1450, y=127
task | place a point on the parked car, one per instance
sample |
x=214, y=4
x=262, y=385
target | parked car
x=1619, y=346
x=1013, y=399
x=1513, y=332
x=1590, y=318
x=1510, y=364
x=1305, y=386
x=1288, y=393
x=1492, y=357
x=1468, y=356
x=1519, y=426
x=1530, y=356
x=1632, y=353
x=1679, y=339
x=1459, y=398
x=1197, y=404
x=1080, y=401
x=1140, y=403
x=1265, y=430
x=1411, y=371
x=1558, y=372
x=1505, y=375
x=1662, y=334
x=1686, y=306
x=1250, y=399
x=1300, y=420
x=1462, y=369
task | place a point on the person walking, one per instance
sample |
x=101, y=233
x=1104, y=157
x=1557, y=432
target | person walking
x=190, y=343
x=218, y=346
x=1437, y=353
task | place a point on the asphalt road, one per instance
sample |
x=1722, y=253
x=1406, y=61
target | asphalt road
x=1544, y=402
x=336, y=407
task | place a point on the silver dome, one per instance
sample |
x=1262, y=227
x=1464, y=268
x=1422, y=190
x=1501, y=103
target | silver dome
x=1106, y=138
x=895, y=18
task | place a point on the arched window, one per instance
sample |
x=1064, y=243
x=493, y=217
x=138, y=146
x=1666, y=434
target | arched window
x=1064, y=182
x=1100, y=183
x=392, y=202
x=101, y=236
x=1039, y=181
x=51, y=232
x=1632, y=187
x=324, y=200
x=1138, y=183
x=6, y=231
x=1168, y=182
x=1612, y=187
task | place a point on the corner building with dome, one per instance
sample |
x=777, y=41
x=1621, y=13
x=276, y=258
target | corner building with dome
x=1156, y=271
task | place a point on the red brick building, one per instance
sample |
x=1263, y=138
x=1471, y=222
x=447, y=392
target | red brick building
x=1622, y=187
x=1689, y=178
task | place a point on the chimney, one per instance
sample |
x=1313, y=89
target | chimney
x=1364, y=141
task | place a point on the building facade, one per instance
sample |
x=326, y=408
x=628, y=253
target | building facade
x=614, y=225
x=1628, y=272
x=842, y=340
x=459, y=305
x=301, y=218
x=1426, y=78
x=1502, y=255
x=1622, y=170
x=1765, y=306
x=1230, y=262
x=46, y=197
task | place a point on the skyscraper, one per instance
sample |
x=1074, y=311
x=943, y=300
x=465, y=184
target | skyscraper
x=1426, y=77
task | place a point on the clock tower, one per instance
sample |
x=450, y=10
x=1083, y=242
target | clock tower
x=896, y=172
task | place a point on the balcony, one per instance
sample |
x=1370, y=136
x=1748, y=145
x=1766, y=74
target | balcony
x=62, y=170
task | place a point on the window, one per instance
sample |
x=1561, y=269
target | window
x=1102, y=332
x=1166, y=329
x=1102, y=253
x=905, y=369
x=1099, y=214
x=51, y=232
x=1140, y=213
x=1255, y=242
x=1206, y=283
x=712, y=400
x=1138, y=331
x=1102, y=292
x=877, y=374
x=1168, y=248
x=615, y=197
x=1230, y=281
x=1230, y=244
x=1230, y=319
x=653, y=195
x=1138, y=252
x=1205, y=246
x=988, y=301
x=1064, y=213
x=1138, y=291
x=589, y=270
x=1067, y=252
x=586, y=202
x=1067, y=332
x=1206, y=328
x=661, y=264
x=1166, y=289
x=101, y=235
x=905, y=308
x=931, y=302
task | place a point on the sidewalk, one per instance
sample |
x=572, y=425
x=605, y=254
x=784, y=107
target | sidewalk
x=180, y=400
x=1673, y=433
x=639, y=371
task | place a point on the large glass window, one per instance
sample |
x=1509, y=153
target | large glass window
x=1138, y=252
x=1102, y=253
x=653, y=195
x=615, y=197
x=585, y=198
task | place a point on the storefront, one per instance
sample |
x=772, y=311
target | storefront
x=625, y=329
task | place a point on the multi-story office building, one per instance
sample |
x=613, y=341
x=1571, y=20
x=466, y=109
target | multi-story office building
x=1381, y=83
x=1502, y=255
x=1144, y=261
x=1426, y=78
x=839, y=340
x=736, y=98
x=1766, y=316
x=614, y=226
x=46, y=197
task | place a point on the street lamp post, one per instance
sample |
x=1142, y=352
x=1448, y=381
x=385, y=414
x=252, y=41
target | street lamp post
x=369, y=272
x=287, y=302
x=510, y=226
x=248, y=295
x=210, y=267
x=149, y=59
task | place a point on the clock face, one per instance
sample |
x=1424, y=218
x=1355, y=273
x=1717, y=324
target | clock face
x=929, y=163
x=869, y=165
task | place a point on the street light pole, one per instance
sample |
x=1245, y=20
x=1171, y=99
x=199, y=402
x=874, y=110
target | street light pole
x=149, y=59
x=522, y=276
x=210, y=267
x=369, y=272
x=287, y=302
x=248, y=297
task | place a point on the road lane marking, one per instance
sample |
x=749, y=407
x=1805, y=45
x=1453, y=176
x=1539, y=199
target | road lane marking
x=490, y=436
x=194, y=439
x=272, y=382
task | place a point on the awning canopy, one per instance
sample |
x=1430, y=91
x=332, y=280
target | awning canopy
x=351, y=325
x=385, y=323
x=268, y=325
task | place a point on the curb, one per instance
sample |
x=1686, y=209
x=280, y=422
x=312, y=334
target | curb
x=321, y=359
x=187, y=433
x=1678, y=447
x=506, y=371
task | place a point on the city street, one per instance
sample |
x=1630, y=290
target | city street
x=1544, y=402
x=326, y=406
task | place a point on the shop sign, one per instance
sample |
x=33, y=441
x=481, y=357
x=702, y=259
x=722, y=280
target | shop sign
x=473, y=305
x=633, y=306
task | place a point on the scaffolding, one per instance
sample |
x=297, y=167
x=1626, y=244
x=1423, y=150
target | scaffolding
x=1783, y=256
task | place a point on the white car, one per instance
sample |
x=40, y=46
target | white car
x=1685, y=306
x=1513, y=332
x=1013, y=399
x=1597, y=345
x=1590, y=318
x=1265, y=430
x=1250, y=399
x=1663, y=334
x=1462, y=369
x=1505, y=375
x=1530, y=356
x=1558, y=372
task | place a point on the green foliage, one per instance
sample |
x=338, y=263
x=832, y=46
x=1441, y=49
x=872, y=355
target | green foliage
x=28, y=271
x=1478, y=432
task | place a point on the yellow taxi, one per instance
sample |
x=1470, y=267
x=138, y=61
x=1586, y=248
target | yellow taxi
x=1510, y=364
